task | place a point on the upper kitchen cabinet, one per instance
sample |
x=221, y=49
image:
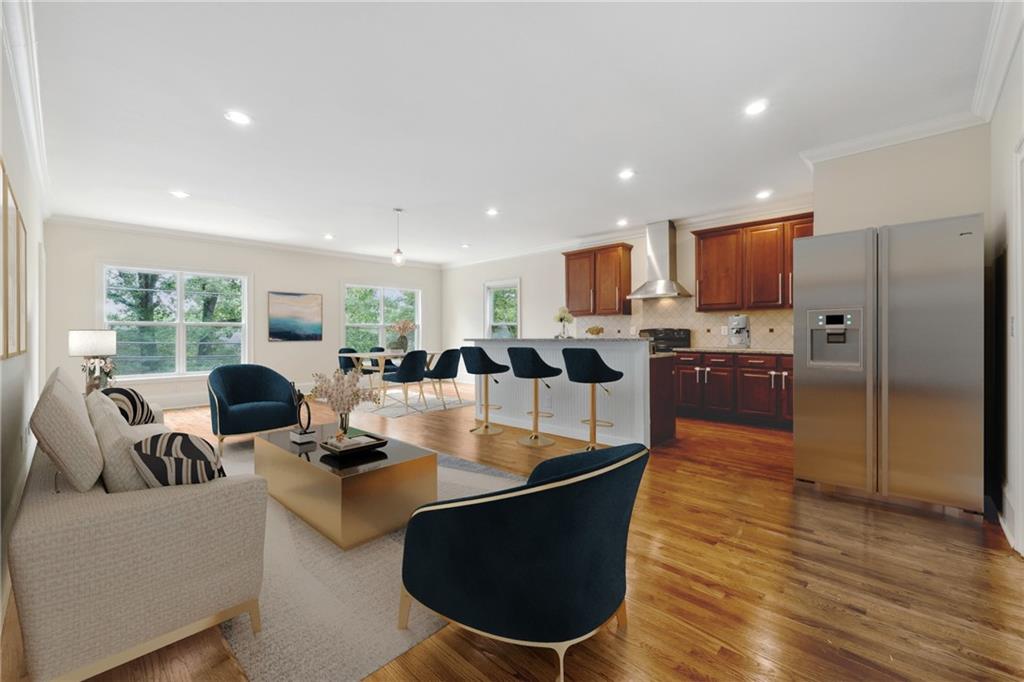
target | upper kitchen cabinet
x=764, y=255
x=719, y=269
x=598, y=280
x=748, y=266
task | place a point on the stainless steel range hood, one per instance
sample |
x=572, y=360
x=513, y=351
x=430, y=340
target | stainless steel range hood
x=661, y=264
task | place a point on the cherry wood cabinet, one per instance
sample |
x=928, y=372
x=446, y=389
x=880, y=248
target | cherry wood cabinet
x=764, y=265
x=748, y=266
x=735, y=387
x=598, y=280
x=719, y=270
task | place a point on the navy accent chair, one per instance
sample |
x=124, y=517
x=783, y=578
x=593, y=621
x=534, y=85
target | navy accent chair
x=585, y=366
x=411, y=371
x=542, y=564
x=346, y=364
x=527, y=364
x=374, y=368
x=479, y=362
x=249, y=398
x=445, y=367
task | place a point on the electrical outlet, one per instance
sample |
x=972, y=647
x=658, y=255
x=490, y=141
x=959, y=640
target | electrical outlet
x=725, y=330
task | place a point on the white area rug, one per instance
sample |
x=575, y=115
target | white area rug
x=394, y=407
x=330, y=614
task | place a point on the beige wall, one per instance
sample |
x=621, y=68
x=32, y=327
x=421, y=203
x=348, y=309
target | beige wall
x=935, y=177
x=76, y=251
x=1007, y=131
x=19, y=376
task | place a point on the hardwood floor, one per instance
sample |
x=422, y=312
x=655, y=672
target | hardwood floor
x=732, y=574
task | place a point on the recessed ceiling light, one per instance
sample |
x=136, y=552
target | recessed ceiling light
x=465, y=246
x=328, y=236
x=492, y=211
x=764, y=194
x=179, y=194
x=238, y=117
x=626, y=173
x=622, y=222
x=756, y=107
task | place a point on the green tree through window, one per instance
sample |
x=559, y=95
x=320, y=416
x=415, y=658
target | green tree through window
x=369, y=311
x=502, y=310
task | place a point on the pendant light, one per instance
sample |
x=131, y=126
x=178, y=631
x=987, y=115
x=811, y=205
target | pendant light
x=398, y=258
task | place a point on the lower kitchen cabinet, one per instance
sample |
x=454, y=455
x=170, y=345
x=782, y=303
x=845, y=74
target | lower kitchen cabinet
x=737, y=387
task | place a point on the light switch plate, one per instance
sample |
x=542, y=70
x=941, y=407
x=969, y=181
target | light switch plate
x=725, y=330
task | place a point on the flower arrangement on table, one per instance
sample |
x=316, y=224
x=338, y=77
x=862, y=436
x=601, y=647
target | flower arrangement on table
x=100, y=370
x=341, y=392
x=565, y=317
x=402, y=329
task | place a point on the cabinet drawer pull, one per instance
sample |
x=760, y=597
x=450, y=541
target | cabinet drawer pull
x=717, y=360
x=780, y=288
x=755, y=362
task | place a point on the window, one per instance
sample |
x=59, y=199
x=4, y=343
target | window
x=174, y=322
x=502, y=314
x=370, y=311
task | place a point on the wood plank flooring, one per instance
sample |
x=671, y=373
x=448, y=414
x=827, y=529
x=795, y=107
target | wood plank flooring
x=733, y=574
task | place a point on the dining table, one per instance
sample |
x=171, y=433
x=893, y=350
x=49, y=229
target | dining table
x=378, y=361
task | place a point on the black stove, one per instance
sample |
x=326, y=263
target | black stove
x=665, y=339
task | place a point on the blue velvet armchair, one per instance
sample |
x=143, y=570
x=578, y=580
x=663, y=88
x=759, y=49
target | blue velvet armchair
x=542, y=564
x=249, y=398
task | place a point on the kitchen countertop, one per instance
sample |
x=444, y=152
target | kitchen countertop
x=744, y=351
x=662, y=355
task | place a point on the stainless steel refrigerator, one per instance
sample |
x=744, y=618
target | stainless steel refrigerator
x=889, y=360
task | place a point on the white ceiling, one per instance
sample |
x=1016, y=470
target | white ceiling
x=446, y=110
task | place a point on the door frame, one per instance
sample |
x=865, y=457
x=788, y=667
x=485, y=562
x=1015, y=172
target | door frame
x=1015, y=352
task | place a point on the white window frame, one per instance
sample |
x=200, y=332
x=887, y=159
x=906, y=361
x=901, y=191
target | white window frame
x=512, y=283
x=180, y=345
x=381, y=326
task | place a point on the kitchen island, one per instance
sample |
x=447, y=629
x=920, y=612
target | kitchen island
x=627, y=406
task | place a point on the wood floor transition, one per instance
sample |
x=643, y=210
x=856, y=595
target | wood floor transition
x=733, y=574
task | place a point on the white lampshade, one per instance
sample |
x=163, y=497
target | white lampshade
x=92, y=343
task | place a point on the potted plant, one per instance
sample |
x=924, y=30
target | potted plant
x=565, y=317
x=402, y=328
x=342, y=393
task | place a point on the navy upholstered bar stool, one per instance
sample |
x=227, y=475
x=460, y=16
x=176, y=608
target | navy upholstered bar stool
x=585, y=366
x=527, y=364
x=479, y=362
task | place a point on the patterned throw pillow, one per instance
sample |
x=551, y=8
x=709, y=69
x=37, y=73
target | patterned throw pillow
x=132, y=405
x=176, y=459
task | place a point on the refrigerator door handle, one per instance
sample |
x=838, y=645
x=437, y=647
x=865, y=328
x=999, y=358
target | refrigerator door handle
x=880, y=394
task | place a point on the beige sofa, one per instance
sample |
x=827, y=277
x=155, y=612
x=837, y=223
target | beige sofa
x=103, y=577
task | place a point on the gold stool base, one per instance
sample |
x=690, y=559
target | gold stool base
x=536, y=440
x=486, y=430
x=590, y=447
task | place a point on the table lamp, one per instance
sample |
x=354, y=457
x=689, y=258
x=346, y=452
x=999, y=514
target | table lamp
x=95, y=345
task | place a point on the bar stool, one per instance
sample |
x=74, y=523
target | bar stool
x=585, y=366
x=527, y=364
x=478, y=362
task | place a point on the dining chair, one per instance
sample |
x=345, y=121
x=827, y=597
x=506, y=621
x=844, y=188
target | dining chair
x=446, y=367
x=346, y=364
x=411, y=371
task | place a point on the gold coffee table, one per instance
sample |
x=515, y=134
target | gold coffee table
x=349, y=498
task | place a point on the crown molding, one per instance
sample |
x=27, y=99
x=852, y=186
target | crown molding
x=97, y=224
x=19, y=45
x=1004, y=31
x=801, y=203
x=909, y=133
x=567, y=245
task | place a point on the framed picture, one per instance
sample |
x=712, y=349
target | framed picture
x=295, y=317
x=22, y=286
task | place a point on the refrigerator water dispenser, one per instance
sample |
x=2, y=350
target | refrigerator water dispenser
x=835, y=338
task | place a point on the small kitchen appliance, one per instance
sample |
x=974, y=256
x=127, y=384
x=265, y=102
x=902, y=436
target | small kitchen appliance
x=739, y=331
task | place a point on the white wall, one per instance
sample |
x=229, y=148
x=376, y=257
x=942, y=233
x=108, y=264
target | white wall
x=934, y=177
x=77, y=249
x=1007, y=133
x=19, y=376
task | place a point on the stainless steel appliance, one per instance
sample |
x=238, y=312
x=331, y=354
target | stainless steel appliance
x=739, y=331
x=889, y=360
x=665, y=340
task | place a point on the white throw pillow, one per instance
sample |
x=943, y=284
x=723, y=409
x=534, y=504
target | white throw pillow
x=116, y=438
x=62, y=427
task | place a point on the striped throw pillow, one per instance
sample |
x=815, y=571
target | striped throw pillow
x=132, y=405
x=176, y=459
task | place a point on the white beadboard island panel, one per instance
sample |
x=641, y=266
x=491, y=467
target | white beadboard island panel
x=628, y=404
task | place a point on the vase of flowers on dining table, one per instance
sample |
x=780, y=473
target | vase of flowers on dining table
x=342, y=393
x=401, y=329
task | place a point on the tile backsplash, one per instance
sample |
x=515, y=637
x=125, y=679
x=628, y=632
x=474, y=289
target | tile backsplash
x=769, y=329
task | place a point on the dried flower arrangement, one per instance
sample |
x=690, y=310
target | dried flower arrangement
x=339, y=390
x=403, y=327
